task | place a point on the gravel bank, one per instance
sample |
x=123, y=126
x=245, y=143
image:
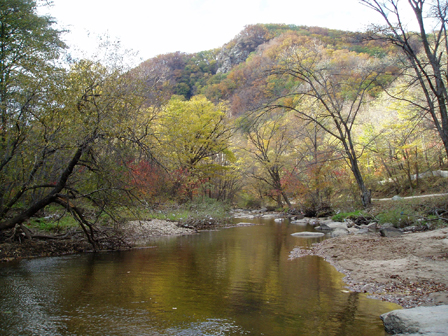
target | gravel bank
x=140, y=232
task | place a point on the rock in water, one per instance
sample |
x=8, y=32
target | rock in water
x=307, y=234
x=418, y=321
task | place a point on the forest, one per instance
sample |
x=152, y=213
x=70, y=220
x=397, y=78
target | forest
x=294, y=118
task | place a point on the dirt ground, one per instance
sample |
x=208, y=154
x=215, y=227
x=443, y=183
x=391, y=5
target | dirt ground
x=410, y=270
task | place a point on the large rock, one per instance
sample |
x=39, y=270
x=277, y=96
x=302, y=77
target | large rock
x=339, y=232
x=359, y=231
x=337, y=225
x=323, y=227
x=417, y=321
x=390, y=232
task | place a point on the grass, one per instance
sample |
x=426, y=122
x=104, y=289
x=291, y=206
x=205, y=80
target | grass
x=353, y=215
x=53, y=223
x=199, y=209
x=431, y=211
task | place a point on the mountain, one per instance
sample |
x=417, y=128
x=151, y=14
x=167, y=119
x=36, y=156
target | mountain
x=216, y=73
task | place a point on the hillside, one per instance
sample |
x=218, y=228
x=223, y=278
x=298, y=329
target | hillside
x=214, y=73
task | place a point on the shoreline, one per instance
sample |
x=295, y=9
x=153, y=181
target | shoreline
x=133, y=234
x=410, y=271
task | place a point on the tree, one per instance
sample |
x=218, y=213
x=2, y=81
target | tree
x=191, y=134
x=75, y=150
x=331, y=89
x=317, y=164
x=425, y=51
x=399, y=140
x=270, y=143
x=28, y=45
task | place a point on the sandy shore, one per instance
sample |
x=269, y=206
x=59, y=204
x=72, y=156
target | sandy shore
x=411, y=270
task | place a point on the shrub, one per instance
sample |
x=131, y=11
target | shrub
x=357, y=216
x=398, y=217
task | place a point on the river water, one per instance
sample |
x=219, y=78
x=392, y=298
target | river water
x=235, y=281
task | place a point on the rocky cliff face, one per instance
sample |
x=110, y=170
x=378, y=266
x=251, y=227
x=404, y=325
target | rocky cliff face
x=237, y=50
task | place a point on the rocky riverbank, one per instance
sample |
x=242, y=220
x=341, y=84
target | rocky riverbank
x=410, y=270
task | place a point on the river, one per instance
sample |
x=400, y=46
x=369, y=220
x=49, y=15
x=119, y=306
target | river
x=235, y=281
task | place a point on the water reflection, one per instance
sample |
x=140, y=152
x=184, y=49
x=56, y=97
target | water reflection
x=236, y=281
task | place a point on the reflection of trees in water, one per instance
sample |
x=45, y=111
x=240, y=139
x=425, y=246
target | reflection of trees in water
x=348, y=315
x=239, y=278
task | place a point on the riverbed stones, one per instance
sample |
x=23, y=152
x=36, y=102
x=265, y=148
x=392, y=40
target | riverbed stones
x=337, y=225
x=417, y=321
x=339, y=232
x=323, y=227
x=390, y=232
x=307, y=234
x=360, y=231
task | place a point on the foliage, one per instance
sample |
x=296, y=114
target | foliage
x=53, y=224
x=354, y=215
x=398, y=217
x=195, y=134
x=248, y=201
x=316, y=126
x=424, y=51
x=269, y=145
x=66, y=132
x=201, y=208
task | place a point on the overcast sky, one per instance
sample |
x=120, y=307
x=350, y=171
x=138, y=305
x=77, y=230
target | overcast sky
x=153, y=27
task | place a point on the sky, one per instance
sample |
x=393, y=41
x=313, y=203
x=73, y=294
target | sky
x=154, y=27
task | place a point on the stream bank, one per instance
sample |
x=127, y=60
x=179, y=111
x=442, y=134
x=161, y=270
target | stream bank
x=410, y=270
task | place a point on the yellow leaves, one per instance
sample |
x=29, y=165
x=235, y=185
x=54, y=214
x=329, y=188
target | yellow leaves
x=193, y=130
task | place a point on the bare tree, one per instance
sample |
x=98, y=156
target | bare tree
x=425, y=51
x=270, y=142
x=331, y=89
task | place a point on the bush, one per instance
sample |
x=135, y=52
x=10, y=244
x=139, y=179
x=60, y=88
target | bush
x=247, y=201
x=53, y=223
x=202, y=209
x=398, y=217
x=357, y=216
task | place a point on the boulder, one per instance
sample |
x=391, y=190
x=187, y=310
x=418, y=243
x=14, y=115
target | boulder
x=323, y=227
x=417, y=321
x=386, y=225
x=390, y=232
x=339, y=232
x=362, y=231
x=307, y=234
x=337, y=225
